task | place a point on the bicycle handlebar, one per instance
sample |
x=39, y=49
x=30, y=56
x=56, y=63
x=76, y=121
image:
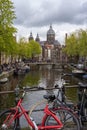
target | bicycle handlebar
x=33, y=89
x=18, y=90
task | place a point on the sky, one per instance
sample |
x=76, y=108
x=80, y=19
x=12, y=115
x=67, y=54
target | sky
x=36, y=16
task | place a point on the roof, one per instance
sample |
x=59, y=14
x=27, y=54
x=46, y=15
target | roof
x=50, y=31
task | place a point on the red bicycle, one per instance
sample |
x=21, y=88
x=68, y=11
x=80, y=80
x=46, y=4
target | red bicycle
x=9, y=118
x=53, y=119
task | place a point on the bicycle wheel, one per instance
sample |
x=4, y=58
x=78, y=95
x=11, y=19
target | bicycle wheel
x=4, y=124
x=68, y=119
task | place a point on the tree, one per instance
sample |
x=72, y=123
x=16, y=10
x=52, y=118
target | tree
x=7, y=31
x=82, y=42
x=24, y=49
x=76, y=44
x=35, y=48
x=71, y=45
x=28, y=49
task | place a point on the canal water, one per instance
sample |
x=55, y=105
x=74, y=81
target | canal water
x=43, y=76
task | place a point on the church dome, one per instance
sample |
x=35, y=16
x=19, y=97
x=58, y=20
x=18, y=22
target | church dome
x=50, y=31
x=51, y=35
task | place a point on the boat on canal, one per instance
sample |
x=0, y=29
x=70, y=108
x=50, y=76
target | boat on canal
x=3, y=80
x=22, y=70
x=78, y=73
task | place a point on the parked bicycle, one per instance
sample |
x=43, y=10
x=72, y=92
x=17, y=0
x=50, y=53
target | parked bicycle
x=82, y=102
x=63, y=108
x=9, y=118
x=79, y=109
x=53, y=119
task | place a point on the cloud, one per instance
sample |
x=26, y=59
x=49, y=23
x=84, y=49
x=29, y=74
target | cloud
x=38, y=14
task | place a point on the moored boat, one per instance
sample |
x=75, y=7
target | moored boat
x=78, y=73
x=3, y=80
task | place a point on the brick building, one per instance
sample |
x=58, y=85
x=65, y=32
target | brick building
x=51, y=48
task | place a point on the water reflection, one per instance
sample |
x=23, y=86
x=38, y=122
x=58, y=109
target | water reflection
x=44, y=76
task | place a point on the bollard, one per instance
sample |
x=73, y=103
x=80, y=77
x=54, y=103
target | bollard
x=17, y=121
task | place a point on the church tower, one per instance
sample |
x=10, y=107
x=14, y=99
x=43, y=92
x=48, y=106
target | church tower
x=31, y=37
x=37, y=38
x=50, y=35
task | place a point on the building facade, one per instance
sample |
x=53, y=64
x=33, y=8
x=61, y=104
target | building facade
x=51, y=48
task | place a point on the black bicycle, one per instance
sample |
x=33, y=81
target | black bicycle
x=60, y=98
x=82, y=102
x=80, y=109
x=67, y=114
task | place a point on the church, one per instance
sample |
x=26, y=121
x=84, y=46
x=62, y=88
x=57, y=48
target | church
x=51, y=48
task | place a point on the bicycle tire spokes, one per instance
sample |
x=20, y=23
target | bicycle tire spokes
x=69, y=121
x=7, y=121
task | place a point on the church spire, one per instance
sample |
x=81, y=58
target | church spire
x=50, y=26
x=31, y=36
x=37, y=38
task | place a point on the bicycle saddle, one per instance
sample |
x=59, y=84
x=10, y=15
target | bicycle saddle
x=82, y=85
x=49, y=97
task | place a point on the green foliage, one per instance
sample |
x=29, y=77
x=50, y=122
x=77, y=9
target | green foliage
x=82, y=42
x=7, y=30
x=28, y=49
x=7, y=14
x=76, y=43
x=24, y=49
x=35, y=48
x=71, y=47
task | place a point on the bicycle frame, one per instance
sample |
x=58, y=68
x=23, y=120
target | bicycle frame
x=83, y=91
x=19, y=111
